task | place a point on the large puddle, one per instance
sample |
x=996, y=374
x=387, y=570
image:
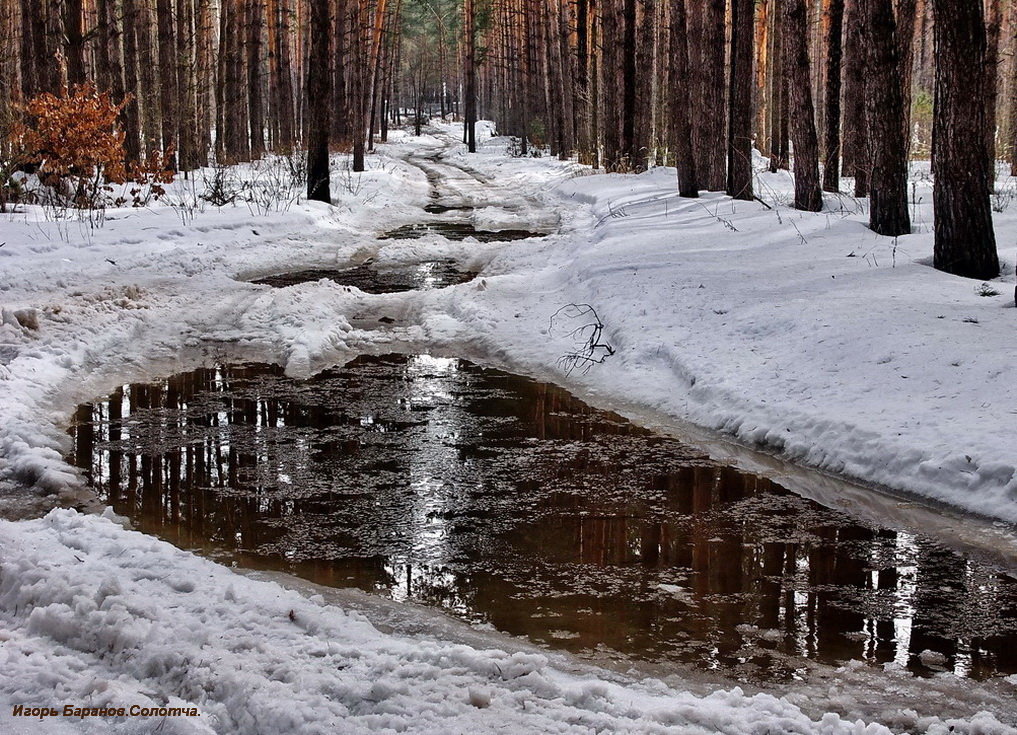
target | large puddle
x=508, y=501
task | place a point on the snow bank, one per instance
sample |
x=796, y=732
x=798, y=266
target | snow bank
x=97, y=615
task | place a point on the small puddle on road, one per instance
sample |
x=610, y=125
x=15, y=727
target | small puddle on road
x=445, y=208
x=457, y=231
x=508, y=501
x=372, y=279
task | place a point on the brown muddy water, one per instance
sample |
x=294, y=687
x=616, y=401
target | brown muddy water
x=375, y=279
x=510, y=502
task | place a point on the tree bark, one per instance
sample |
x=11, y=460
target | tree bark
x=343, y=67
x=130, y=116
x=884, y=117
x=318, y=103
x=1012, y=130
x=808, y=196
x=168, y=102
x=629, y=85
x=148, y=82
x=831, y=163
x=739, y=151
x=610, y=68
x=255, y=98
x=965, y=243
x=205, y=80
x=470, y=70
x=993, y=23
x=685, y=159
x=906, y=12
x=777, y=100
x=855, y=142
x=29, y=68
x=74, y=40
x=711, y=135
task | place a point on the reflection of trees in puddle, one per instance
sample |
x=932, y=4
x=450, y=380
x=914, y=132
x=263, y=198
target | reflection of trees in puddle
x=510, y=501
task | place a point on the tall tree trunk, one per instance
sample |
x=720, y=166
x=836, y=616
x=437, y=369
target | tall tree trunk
x=470, y=72
x=583, y=102
x=739, y=154
x=284, y=83
x=993, y=24
x=148, y=82
x=74, y=40
x=760, y=92
x=108, y=53
x=318, y=103
x=1012, y=130
x=855, y=140
x=255, y=98
x=358, y=86
x=685, y=159
x=29, y=68
x=235, y=124
x=965, y=243
x=831, y=164
x=130, y=116
x=205, y=81
x=187, y=86
x=884, y=115
x=44, y=51
x=711, y=135
x=801, y=114
x=342, y=62
x=629, y=84
x=168, y=102
x=906, y=18
x=777, y=99
x=611, y=112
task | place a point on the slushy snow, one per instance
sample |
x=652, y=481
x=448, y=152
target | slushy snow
x=100, y=616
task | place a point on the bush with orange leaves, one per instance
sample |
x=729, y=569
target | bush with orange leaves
x=76, y=148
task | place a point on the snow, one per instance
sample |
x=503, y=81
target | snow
x=801, y=334
x=98, y=616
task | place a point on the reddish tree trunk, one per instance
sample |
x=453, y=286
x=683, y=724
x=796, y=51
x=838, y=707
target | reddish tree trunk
x=801, y=113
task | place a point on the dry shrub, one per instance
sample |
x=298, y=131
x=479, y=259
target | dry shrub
x=75, y=147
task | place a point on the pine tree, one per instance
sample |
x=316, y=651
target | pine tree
x=318, y=103
x=685, y=159
x=884, y=121
x=801, y=113
x=965, y=243
x=831, y=162
x=739, y=160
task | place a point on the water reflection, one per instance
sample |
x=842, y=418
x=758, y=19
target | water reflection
x=509, y=501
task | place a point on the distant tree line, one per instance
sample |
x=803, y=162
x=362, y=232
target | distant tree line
x=828, y=88
x=823, y=87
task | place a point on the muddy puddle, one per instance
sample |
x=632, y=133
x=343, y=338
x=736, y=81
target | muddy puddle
x=373, y=279
x=456, y=231
x=507, y=501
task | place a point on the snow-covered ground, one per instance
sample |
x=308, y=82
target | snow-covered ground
x=803, y=334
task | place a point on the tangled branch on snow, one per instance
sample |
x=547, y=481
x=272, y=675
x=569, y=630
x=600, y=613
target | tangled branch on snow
x=580, y=323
